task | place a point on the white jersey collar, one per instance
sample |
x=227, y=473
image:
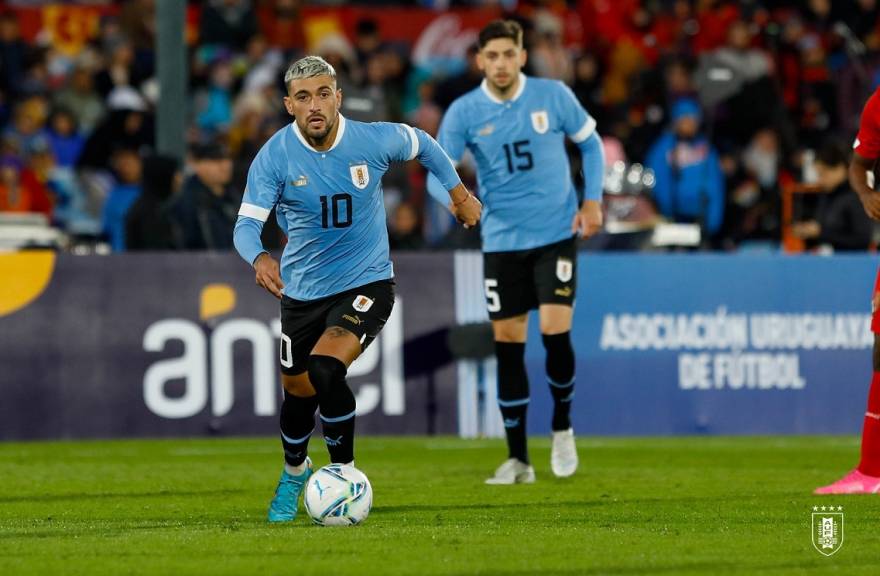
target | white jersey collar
x=484, y=86
x=305, y=142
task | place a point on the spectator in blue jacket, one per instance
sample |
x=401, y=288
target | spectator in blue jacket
x=689, y=182
x=127, y=168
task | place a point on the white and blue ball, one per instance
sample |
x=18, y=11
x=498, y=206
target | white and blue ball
x=338, y=495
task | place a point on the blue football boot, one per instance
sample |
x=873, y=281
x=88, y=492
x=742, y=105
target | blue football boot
x=286, y=501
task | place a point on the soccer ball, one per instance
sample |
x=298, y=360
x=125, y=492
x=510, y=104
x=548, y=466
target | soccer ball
x=338, y=495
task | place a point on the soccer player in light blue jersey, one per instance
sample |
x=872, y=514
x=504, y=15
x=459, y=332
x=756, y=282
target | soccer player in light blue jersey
x=515, y=128
x=322, y=174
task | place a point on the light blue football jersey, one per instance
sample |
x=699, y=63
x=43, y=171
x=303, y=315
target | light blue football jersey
x=524, y=178
x=329, y=203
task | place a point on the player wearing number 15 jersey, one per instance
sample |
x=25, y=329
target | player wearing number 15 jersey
x=322, y=174
x=515, y=128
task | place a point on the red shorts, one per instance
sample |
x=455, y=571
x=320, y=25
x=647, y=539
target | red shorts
x=875, y=306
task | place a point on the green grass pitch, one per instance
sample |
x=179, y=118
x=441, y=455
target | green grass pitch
x=636, y=506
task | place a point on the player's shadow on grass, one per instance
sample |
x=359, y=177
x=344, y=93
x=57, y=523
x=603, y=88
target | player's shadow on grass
x=97, y=495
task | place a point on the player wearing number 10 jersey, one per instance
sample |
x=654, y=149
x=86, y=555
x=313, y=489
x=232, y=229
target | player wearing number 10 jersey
x=322, y=174
x=515, y=128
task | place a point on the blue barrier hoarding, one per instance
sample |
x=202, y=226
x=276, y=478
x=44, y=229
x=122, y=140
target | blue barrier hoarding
x=716, y=344
x=187, y=344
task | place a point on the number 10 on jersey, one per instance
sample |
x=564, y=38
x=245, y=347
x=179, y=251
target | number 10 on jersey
x=340, y=206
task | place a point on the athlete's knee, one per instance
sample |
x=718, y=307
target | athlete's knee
x=554, y=327
x=325, y=371
x=560, y=342
x=555, y=319
x=298, y=385
x=510, y=329
x=328, y=377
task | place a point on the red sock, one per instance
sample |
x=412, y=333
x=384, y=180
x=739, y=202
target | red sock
x=870, y=463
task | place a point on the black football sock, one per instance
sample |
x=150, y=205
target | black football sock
x=297, y=425
x=513, y=396
x=337, y=402
x=560, y=377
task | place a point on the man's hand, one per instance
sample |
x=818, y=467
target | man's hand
x=871, y=204
x=268, y=274
x=806, y=230
x=588, y=220
x=465, y=206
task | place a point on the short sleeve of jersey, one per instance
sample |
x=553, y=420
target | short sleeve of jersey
x=264, y=183
x=867, y=144
x=576, y=123
x=452, y=134
x=400, y=142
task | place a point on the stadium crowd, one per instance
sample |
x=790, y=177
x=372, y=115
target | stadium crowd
x=727, y=103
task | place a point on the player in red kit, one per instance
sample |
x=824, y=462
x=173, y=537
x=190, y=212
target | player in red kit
x=865, y=479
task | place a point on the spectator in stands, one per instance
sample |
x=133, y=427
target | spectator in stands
x=359, y=102
x=451, y=88
x=367, y=40
x=587, y=85
x=816, y=92
x=406, y=231
x=260, y=65
x=65, y=139
x=227, y=22
x=400, y=93
x=137, y=21
x=19, y=189
x=678, y=79
x=148, y=224
x=28, y=124
x=753, y=204
x=127, y=168
x=282, y=23
x=861, y=16
x=215, y=103
x=427, y=115
x=839, y=221
x=548, y=55
x=128, y=125
x=206, y=210
x=689, y=182
x=81, y=98
x=120, y=70
x=12, y=53
x=750, y=71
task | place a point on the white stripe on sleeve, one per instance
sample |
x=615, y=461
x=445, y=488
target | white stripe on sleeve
x=414, y=146
x=585, y=132
x=254, y=211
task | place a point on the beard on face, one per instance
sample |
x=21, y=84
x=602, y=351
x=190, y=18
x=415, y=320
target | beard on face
x=319, y=134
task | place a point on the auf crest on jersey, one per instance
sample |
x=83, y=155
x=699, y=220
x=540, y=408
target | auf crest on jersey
x=540, y=122
x=360, y=176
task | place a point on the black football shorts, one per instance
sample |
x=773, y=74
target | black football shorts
x=519, y=281
x=362, y=311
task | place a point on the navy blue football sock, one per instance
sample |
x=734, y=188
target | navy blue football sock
x=560, y=377
x=337, y=402
x=297, y=425
x=513, y=396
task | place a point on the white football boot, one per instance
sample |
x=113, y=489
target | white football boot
x=563, y=455
x=512, y=471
